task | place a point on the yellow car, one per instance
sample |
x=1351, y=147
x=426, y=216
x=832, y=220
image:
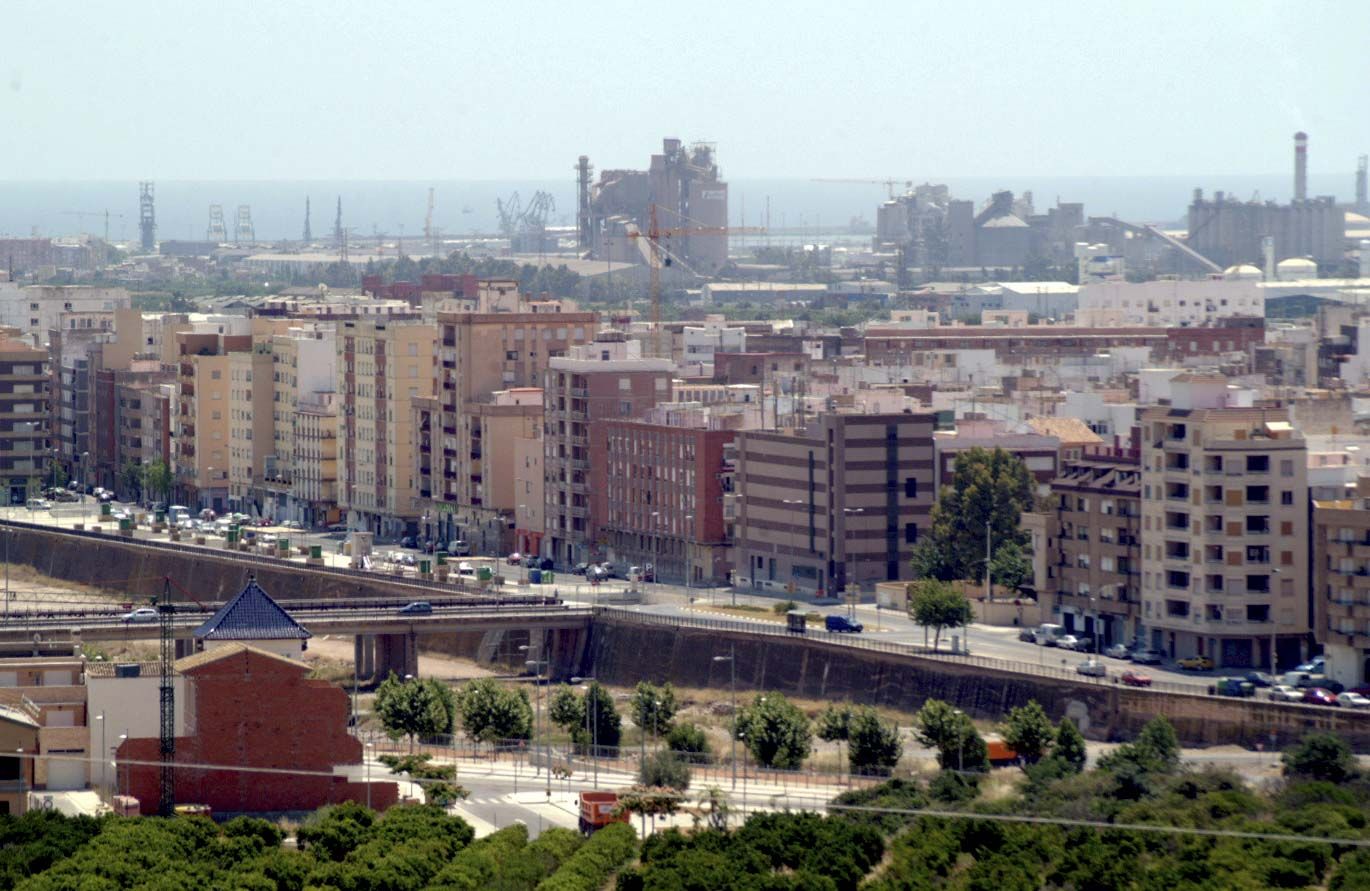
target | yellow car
x=1196, y=663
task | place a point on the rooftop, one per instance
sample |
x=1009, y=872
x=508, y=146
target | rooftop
x=218, y=654
x=252, y=615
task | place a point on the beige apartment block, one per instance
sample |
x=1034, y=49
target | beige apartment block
x=383, y=366
x=304, y=363
x=314, y=485
x=250, y=425
x=481, y=354
x=24, y=382
x=1341, y=583
x=1224, y=528
x=203, y=429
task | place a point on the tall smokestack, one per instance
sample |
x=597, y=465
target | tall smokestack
x=1300, y=166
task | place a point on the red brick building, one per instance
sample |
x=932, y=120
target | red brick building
x=253, y=709
x=658, y=497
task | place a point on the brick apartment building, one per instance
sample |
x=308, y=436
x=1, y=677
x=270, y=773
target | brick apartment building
x=1096, y=530
x=1224, y=527
x=658, y=497
x=254, y=709
x=838, y=504
x=605, y=379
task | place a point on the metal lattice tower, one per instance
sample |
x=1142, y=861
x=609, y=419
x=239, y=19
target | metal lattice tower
x=217, y=231
x=338, y=235
x=243, y=233
x=147, y=218
x=166, y=798
x=308, y=236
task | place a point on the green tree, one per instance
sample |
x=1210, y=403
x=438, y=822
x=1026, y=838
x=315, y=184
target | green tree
x=1028, y=731
x=1321, y=756
x=566, y=709
x=1069, y=748
x=157, y=479
x=834, y=723
x=414, y=707
x=1010, y=567
x=131, y=479
x=689, y=742
x=988, y=487
x=1136, y=766
x=664, y=768
x=606, y=725
x=872, y=745
x=654, y=707
x=491, y=711
x=952, y=733
x=775, y=731
x=938, y=605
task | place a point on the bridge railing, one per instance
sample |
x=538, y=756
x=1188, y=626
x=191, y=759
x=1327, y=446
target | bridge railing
x=776, y=629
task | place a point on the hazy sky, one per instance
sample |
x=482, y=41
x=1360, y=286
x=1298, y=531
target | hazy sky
x=470, y=90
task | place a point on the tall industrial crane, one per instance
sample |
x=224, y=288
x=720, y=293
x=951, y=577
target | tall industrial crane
x=658, y=243
x=887, y=183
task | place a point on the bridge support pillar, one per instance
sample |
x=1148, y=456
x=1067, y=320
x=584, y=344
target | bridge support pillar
x=364, y=656
x=398, y=653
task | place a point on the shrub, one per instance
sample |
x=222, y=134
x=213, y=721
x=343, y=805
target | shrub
x=664, y=769
x=689, y=743
x=596, y=860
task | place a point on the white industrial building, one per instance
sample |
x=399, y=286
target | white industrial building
x=1169, y=303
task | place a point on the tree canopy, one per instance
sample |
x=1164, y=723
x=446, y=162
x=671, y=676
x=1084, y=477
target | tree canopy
x=414, y=707
x=987, y=487
x=775, y=731
x=938, y=605
x=491, y=711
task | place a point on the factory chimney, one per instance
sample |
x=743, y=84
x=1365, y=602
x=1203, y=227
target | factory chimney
x=1300, y=166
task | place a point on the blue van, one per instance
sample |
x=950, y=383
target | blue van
x=842, y=623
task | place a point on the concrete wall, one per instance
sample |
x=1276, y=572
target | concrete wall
x=624, y=652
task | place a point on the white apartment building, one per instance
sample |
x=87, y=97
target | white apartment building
x=37, y=309
x=1224, y=527
x=1168, y=303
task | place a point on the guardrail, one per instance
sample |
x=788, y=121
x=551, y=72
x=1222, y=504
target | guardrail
x=775, y=629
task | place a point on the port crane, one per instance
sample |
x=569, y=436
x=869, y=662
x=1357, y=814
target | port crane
x=887, y=183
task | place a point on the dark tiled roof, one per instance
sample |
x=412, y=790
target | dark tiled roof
x=252, y=615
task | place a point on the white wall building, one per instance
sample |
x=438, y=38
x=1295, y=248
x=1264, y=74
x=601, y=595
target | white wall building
x=35, y=309
x=1168, y=303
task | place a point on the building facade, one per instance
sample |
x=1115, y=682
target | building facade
x=1224, y=528
x=1341, y=584
x=838, y=504
x=24, y=418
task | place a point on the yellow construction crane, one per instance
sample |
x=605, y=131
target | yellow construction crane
x=659, y=254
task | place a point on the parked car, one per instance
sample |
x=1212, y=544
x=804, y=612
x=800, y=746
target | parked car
x=141, y=614
x=1027, y=635
x=466, y=569
x=530, y=561
x=842, y=624
x=514, y=559
x=1284, y=693
x=1135, y=678
x=1196, y=663
x=1312, y=666
x=1066, y=642
x=417, y=608
x=459, y=548
x=1259, y=679
x=1118, y=651
x=1147, y=657
x=38, y=504
x=1084, y=643
x=1319, y=696
x=1352, y=700
x=1234, y=687
x=407, y=541
x=1092, y=668
x=580, y=569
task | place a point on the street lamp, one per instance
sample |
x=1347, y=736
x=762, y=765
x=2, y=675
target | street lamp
x=731, y=659
x=591, y=730
x=537, y=699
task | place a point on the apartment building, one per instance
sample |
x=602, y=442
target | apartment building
x=1095, y=539
x=834, y=505
x=250, y=425
x=529, y=493
x=314, y=473
x=202, y=420
x=304, y=363
x=37, y=310
x=24, y=382
x=1224, y=527
x=383, y=366
x=608, y=378
x=75, y=360
x=657, y=497
x=505, y=347
x=1341, y=583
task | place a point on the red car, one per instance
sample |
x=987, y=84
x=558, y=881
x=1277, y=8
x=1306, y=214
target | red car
x=1319, y=696
x=1135, y=679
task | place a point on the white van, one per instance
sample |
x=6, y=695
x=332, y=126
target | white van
x=1049, y=634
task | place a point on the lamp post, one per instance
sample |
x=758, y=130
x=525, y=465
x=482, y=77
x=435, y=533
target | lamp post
x=103, y=751
x=591, y=730
x=537, y=699
x=731, y=659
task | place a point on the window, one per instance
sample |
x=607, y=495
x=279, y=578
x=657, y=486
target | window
x=625, y=384
x=1258, y=584
x=214, y=375
x=911, y=487
x=910, y=533
x=511, y=355
x=1286, y=498
x=1257, y=524
x=1286, y=468
x=1257, y=463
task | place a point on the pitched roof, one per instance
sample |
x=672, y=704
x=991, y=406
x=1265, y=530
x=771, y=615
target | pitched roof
x=252, y=615
x=188, y=664
x=1067, y=430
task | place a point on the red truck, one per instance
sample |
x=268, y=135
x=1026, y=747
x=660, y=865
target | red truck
x=599, y=809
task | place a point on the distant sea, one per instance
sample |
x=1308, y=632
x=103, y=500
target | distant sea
x=462, y=208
